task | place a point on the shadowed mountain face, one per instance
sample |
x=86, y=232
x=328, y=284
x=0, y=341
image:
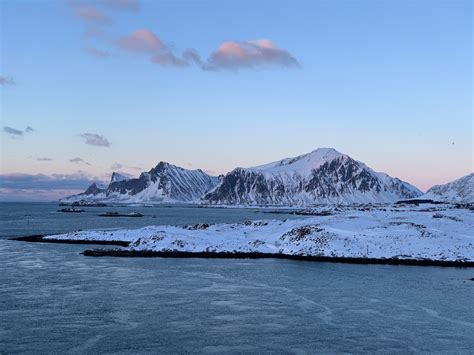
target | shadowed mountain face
x=322, y=176
x=163, y=183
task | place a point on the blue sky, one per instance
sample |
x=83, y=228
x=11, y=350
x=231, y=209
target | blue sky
x=386, y=82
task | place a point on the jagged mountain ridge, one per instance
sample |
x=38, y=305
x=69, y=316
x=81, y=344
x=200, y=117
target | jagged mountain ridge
x=457, y=191
x=164, y=183
x=324, y=176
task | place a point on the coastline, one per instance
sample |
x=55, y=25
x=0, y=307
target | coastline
x=257, y=255
x=41, y=239
x=234, y=255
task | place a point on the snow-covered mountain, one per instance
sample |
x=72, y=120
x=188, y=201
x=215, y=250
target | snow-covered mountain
x=458, y=191
x=118, y=177
x=163, y=183
x=320, y=177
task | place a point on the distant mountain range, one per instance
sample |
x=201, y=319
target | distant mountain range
x=458, y=191
x=324, y=176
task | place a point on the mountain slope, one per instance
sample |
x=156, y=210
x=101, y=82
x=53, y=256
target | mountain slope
x=458, y=191
x=322, y=176
x=163, y=183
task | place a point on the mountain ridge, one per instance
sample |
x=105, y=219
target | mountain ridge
x=164, y=183
x=323, y=176
x=460, y=190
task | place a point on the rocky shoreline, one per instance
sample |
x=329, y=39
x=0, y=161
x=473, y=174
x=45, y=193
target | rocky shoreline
x=256, y=255
x=42, y=239
x=233, y=255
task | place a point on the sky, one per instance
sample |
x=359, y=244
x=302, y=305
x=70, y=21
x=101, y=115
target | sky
x=91, y=87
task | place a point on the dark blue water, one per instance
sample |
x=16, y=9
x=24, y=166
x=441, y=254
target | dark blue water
x=54, y=300
x=20, y=219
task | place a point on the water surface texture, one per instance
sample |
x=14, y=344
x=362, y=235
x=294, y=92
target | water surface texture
x=54, y=300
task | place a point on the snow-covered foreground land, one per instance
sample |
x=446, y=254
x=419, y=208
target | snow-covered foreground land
x=432, y=232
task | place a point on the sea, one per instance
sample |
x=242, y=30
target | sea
x=54, y=300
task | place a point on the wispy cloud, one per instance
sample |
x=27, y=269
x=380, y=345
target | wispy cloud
x=91, y=14
x=17, y=132
x=7, y=80
x=95, y=52
x=142, y=40
x=147, y=42
x=249, y=54
x=229, y=56
x=168, y=59
x=44, y=159
x=12, y=131
x=95, y=139
x=79, y=161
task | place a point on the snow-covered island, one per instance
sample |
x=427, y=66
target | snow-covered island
x=397, y=233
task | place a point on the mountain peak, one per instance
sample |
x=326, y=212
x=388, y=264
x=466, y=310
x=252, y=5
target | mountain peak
x=304, y=163
x=117, y=177
x=325, y=150
x=321, y=176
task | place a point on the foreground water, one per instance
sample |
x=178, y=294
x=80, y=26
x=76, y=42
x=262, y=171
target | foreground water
x=54, y=300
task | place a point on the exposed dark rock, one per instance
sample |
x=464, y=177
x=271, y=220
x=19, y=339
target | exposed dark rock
x=41, y=239
x=118, y=214
x=335, y=180
x=84, y=203
x=166, y=180
x=418, y=202
x=197, y=226
x=256, y=255
x=71, y=210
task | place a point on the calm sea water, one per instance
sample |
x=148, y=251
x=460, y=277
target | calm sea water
x=54, y=300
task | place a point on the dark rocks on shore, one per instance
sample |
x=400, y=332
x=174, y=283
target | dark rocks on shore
x=197, y=226
x=117, y=214
x=41, y=239
x=257, y=255
x=467, y=206
x=419, y=202
x=235, y=254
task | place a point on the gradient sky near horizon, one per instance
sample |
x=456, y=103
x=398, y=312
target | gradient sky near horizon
x=91, y=87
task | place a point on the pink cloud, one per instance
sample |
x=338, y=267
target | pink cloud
x=249, y=54
x=168, y=59
x=145, y=41
x=89, y=13
x=142, y=40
